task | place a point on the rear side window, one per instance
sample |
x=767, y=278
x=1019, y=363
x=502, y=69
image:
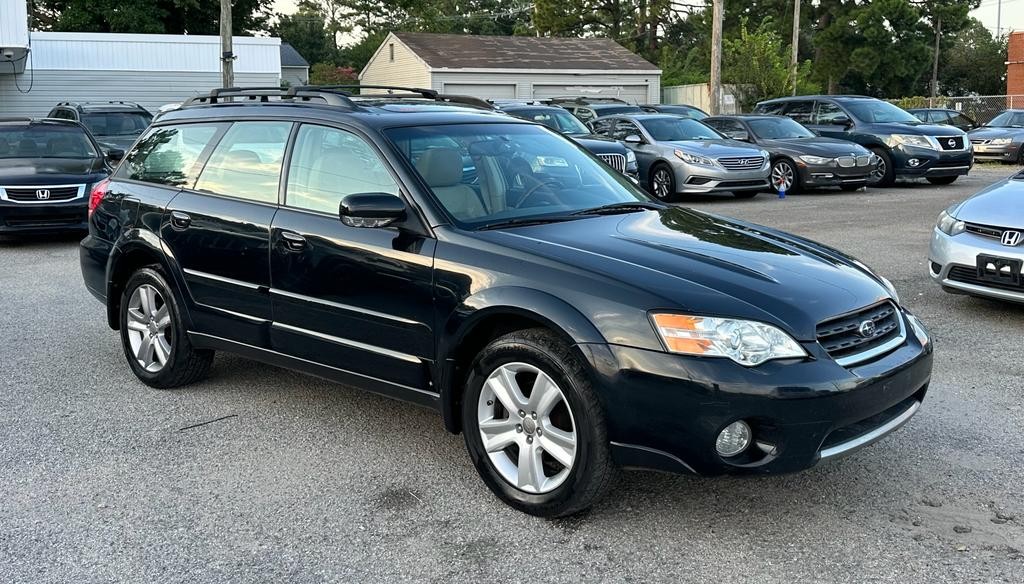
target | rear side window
x=328, y=164
x=168, y=154
x=771, y=108
x=801, y=111
x=938, y=117
x=247, y=162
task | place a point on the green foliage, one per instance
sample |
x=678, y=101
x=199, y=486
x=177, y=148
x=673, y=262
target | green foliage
x=149, y=16
x=757, y=64
x=307, y=32
x=331, y=74
x=974, y=63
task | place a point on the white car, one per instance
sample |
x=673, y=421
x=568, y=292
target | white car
x=978, y=245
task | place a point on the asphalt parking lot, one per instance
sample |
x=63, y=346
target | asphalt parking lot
x=103, y=480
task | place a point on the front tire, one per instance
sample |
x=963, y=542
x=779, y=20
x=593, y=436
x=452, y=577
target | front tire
x=884, y=175
x=663, y=183
x=941, y=180
x=784, y=174
x=534, y=427
x=154, y=337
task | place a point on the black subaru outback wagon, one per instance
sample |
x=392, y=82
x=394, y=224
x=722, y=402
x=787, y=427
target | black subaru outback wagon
x=491, y=269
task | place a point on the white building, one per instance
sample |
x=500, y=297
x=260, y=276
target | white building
x=518, y=67
x=40, y=69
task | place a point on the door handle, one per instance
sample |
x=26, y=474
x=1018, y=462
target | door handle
x=293, y=241
x=180, y=220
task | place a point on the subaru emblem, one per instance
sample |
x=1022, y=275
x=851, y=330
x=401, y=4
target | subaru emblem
x=1011, y=238
x=43, y=194
x=866, y=329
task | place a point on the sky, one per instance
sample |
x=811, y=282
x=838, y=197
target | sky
x=1013, y=13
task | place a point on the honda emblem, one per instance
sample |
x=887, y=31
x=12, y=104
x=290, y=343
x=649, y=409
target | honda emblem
x=1011, y=238
x=43, y=194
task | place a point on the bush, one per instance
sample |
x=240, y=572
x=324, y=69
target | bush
x=330, y=74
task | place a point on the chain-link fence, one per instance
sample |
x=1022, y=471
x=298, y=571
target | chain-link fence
x=980, y=108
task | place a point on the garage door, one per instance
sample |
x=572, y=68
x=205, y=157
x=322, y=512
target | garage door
x=482, y=90
x=630, y=93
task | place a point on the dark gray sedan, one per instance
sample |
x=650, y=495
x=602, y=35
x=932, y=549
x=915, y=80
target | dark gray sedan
x=800, y=158
x=1001, y=139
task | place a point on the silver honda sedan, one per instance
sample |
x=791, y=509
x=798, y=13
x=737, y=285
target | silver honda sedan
x=676, y=155
x=978, y=245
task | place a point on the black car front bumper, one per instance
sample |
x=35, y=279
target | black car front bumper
x=913, y=162
x=43, y=217
x=814, y=176
x=665, y=411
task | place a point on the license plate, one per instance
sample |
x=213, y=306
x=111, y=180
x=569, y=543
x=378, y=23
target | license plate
x=980, y=148
x=999, y=270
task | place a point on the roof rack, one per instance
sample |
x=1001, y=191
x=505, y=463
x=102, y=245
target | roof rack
x=407, y=93
x=23, y=119
x=263, y=95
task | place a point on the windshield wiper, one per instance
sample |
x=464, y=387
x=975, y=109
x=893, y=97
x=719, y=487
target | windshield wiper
x=615, y=208
x=521, y=222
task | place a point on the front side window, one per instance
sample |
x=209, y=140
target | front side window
x=168, y=154
x=247, y=161
x=875, y=111
x=938, y=117
x=521, y=172
x=625, y=128
x=45, y=141
x=672, y=128
x=328, y=164
x=602, y=127
x=559, y=121
x=961, y=120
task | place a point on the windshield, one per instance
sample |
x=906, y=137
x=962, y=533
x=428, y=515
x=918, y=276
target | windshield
x=485, y=174
x=779, y=128
x=673, y=129
x=874, y=111
x=45, y=141
x=1008, y=120
x=559, y=121
x=116, y=123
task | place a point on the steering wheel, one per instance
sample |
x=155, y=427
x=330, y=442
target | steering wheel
x=533, y=190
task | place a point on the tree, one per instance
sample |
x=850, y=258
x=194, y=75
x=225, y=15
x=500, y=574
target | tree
x=974, y=63
x=328, y=74
x=149, y=16
x=757, y=64
x=307, y=31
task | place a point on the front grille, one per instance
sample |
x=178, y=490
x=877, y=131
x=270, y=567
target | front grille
x=951, y=142
x=848, y=337
x=741, y=163
x=968, y=275
x=984, y=230
x=847, y=161
x=42, y=194
x=616, y=161
x=980, y=141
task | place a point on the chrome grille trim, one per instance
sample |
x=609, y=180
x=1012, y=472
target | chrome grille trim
x=741, y=162
x=616, y=161
x=4, y=196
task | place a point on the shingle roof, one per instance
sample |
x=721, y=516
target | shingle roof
x=457, y=51
x=291, y=58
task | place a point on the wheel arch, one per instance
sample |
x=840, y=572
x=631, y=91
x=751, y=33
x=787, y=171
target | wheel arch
x=138, y=248
x=489, y=315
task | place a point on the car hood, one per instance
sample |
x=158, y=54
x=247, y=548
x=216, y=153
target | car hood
x=827, y=147
x=915, y=129
x=599, y=145
x=991, y=133
x=708, y=264
x=715, y=148
x=1000, y=205
x=34, y=171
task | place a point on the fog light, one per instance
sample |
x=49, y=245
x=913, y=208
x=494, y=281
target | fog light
x=734, y=439
x=913, y=162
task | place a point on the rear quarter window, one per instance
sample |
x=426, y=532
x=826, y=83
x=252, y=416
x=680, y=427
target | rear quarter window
x=168, y=155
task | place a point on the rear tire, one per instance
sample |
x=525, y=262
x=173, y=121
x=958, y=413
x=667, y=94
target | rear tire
x=662, y=183
x=941, y=180
x=555, y=463
x=885, y=176
x=153, y=335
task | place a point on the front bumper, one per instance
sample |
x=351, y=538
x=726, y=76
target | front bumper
x=693, y=179
x=1000, y=153
x=43, y=217
x=914, y=162
x=665, y=411
x=953, y=260
x=833, y=176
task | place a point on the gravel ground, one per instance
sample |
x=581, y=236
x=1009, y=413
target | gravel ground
x=313, y=482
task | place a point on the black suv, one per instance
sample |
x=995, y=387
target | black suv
x=545, y=306
x=47, y=168
x=589, y=109
x=905, y=146
x=115, y=124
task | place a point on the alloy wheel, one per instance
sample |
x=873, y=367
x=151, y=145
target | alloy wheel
x=527, y=428
x=149, y=328
x=782, y=176
x=662, y=183
x=878, y=173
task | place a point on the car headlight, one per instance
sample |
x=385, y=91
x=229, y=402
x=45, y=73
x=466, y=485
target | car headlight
x=949, y=224
x=1001, y=141
x=818, y=160
x=746, y=342
x=630, y=157
x=694, y=158
x=911, y=140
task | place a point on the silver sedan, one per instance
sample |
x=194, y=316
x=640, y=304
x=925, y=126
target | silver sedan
x=978, y=245
x=677, y=156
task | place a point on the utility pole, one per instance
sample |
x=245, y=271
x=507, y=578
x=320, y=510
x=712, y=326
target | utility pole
x=227, y=56
x=796, y=42
x=999, y=18
x=716, y=58
x=935, y=64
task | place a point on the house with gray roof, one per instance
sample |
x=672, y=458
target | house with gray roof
x=294, y=68
x=516, y=67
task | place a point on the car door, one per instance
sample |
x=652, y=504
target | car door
x=218, y=231
x=356, y=299
x=826, y=118
x=646, y=153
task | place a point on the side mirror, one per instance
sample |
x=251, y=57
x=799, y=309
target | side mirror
x=371, y=209
x=114, y=155
x=633, y=139
x=739, y=135
x=842, y=121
